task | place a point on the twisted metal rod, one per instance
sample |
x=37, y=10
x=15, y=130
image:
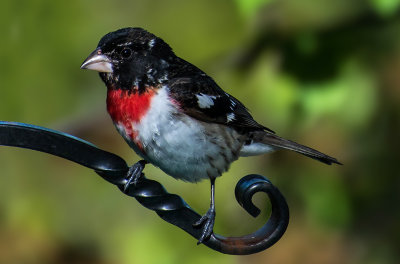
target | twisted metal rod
x=151, y=194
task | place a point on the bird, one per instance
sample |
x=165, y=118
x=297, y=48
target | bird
x=175, y=116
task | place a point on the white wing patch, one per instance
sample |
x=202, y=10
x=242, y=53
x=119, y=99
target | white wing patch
x=230, y=117
x=205, y=101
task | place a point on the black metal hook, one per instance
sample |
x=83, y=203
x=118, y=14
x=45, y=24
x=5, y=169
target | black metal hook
x=151, y=194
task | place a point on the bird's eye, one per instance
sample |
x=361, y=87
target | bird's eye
x=126, y=53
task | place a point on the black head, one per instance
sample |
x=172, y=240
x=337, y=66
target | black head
x=131, y=58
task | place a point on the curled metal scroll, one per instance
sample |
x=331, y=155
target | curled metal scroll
x=151, y=194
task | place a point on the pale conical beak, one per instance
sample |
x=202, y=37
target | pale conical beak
x=97, y=62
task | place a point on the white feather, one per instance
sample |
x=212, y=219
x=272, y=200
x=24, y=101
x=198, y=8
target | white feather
x=230, y=117
x=151, y=43
x=254, y=149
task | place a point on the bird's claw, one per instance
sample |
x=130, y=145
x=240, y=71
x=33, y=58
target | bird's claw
x=134, y=174
x=207, y=223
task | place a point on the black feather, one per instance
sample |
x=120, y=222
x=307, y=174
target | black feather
x=276, y=141
x=185, y=90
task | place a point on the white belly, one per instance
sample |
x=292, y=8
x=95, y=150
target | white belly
x=182, y=147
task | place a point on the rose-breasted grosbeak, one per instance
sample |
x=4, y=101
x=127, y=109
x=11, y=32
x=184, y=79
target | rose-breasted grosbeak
x=175, y=116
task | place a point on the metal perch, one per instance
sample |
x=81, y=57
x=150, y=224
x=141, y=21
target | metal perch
x=151, y=194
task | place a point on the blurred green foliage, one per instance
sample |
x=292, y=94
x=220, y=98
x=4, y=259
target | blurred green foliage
x=322, y=72
x=385, y=7
x=250, y=7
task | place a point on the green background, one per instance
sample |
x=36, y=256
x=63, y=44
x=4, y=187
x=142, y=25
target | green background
x=324, y=73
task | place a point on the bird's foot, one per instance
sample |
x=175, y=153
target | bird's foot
x=134, y=173
x=207, y=223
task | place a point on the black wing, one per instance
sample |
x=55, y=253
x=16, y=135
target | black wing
x=200, y=97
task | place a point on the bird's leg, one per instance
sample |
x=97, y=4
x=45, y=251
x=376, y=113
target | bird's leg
x=207, y=221
x=134, y=173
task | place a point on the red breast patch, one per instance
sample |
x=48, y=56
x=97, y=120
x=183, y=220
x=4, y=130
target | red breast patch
x=127, y=107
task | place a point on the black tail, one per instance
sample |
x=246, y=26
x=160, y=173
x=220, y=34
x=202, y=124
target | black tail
x=276, y=141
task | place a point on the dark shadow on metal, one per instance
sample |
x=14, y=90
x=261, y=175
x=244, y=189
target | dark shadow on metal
x=151, y=194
